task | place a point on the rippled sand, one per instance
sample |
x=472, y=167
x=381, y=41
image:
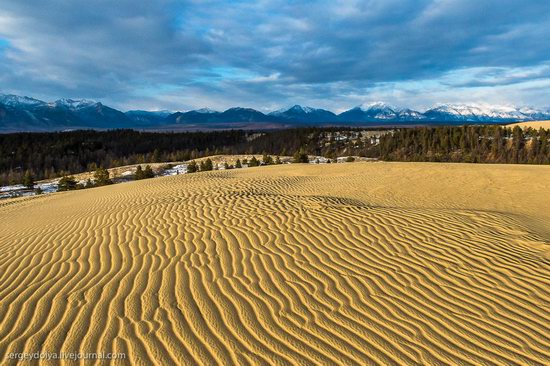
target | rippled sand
x=348, y=264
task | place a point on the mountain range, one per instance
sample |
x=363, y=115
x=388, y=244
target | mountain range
x=18, y=113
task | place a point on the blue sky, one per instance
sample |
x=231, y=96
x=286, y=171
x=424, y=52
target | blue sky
x=265, y=54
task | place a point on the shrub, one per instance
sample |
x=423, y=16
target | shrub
x=101, y=177
x=67, y=183
x=192, y=167
x=300, y=157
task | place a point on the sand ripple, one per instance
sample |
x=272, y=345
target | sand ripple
x=278, y=266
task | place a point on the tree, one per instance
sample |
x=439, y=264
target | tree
x=101, y=177
x=206, y=165
x=350, y=159
x=156, y=156
x=192, y=167
x=300, y=157
x=253, y=162
x=148, y=172
x=278, y=160
x=245, y=161
x=267, y=159
x=139, y=173
x=67, y=183
x=28, y=180
x=38, y=191
x=238, y=164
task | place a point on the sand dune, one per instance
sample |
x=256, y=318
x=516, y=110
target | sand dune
x=532, y=124
x=341, y=264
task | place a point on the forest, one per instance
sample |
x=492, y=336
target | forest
x=468, y=144
x=50, y=155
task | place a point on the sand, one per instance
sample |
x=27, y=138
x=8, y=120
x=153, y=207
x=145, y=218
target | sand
x=340, y=264
x=533, y=124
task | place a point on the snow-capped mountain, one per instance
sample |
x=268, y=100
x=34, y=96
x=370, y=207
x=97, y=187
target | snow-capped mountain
x=19, y=113
x=74, y=104
x=482, y=113
x=407, y=114
x=294, y=109
x=17, y=101
x=206, y=111
x=441, y=113
x=380, y=112
x=28, y=114
x=299, y=114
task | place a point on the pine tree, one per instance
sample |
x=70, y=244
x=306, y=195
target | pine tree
x=28, y=180
x=156, y=156
x=238, y=164
x=192, y=167
x=267, y=159
x=148, y=172
x=139, y=173
x=253, y=162
x=101, y=177
x=300, y=157
x=206, y=165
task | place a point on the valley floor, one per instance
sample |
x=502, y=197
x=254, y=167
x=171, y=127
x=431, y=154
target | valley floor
x=351, y=264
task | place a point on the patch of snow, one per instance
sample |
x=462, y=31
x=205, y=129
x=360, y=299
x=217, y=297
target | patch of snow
x=15, y=187
x=49, y=187
x=175, y=170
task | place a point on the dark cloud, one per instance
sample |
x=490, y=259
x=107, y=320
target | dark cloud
x=184, y=54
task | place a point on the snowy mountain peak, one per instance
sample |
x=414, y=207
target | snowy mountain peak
x=483, y=111
x=206, y=111
x=299, y=108
x=294, y=109
x=376, y=106
x=75, y=103
x=15, y=101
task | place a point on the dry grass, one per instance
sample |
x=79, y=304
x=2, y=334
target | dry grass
x=351, y=264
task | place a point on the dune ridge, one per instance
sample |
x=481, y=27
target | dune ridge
x=348, y=264
x=532, y=124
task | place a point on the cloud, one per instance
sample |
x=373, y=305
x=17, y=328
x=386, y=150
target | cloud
x=187, y=54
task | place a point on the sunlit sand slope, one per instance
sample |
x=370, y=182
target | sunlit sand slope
x=533, y=124
x=348, y=264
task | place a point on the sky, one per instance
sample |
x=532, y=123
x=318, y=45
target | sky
x=268, y=54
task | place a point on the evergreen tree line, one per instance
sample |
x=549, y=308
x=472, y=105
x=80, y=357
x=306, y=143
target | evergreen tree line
x=469, y=144
x=51, y=155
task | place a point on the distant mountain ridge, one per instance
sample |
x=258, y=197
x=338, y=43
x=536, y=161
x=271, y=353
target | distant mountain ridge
x=21, y=113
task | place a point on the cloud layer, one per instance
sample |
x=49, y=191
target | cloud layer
x=266, y=54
